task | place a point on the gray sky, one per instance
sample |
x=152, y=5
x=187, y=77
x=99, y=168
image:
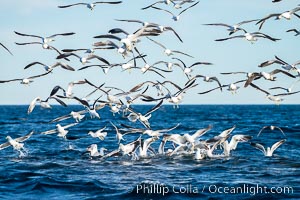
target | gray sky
x=44, y=18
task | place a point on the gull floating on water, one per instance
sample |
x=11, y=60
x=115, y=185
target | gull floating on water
x=269, y=151
x=145, y=146
x=228, y=146
x=93, y=151
x=130, y=148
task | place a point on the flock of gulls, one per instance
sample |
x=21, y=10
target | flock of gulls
x=119, y=101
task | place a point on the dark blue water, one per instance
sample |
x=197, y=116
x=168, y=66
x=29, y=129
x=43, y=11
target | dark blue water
x=55, y=168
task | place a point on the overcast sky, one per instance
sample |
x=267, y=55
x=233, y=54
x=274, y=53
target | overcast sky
x=44, y=18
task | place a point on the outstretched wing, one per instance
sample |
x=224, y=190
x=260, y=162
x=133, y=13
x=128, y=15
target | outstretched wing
x=259, y=147
x=4, y=145
x=75, y=4
x=263, y=128
x=22, y=34
x=6, y=49
x=276, y=145
x=22, y=139
x=229, y=38
x=61, y=34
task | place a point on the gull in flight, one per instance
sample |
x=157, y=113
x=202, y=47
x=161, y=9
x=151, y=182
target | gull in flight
x=287, y=15
x=288, y=90
x=25, y=81
x=44, y=46
x=267, y=76
x=167, y=2
x=175, y=98
x=6, y=49
x=188, y=70
x=251, y=37
x=93, y=151
x=269, y=151
x=100, y=134
x=69, y=92
x=134, y=116
x=175, y=17
x=297, y=32
x=75, y=115
x=285, y=65
x=276, y=98
x=153, y=27
x=128, y=43
x=61, y=130
x=51, y=67
x=272, y=128
x=208, y=79
x=169, y=52
x=43, y=103
x=16, y=143
x=111, y=45
x=83, y=60
x=88, y=51
x=232, y=87
x=45, y=40
x=158, y=86
x=119, y=135
x=91, y=6
x=92, y=110
x=176, y=3
x=232, y=28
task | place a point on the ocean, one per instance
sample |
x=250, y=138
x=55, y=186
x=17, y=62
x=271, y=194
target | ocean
x=55, y=168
